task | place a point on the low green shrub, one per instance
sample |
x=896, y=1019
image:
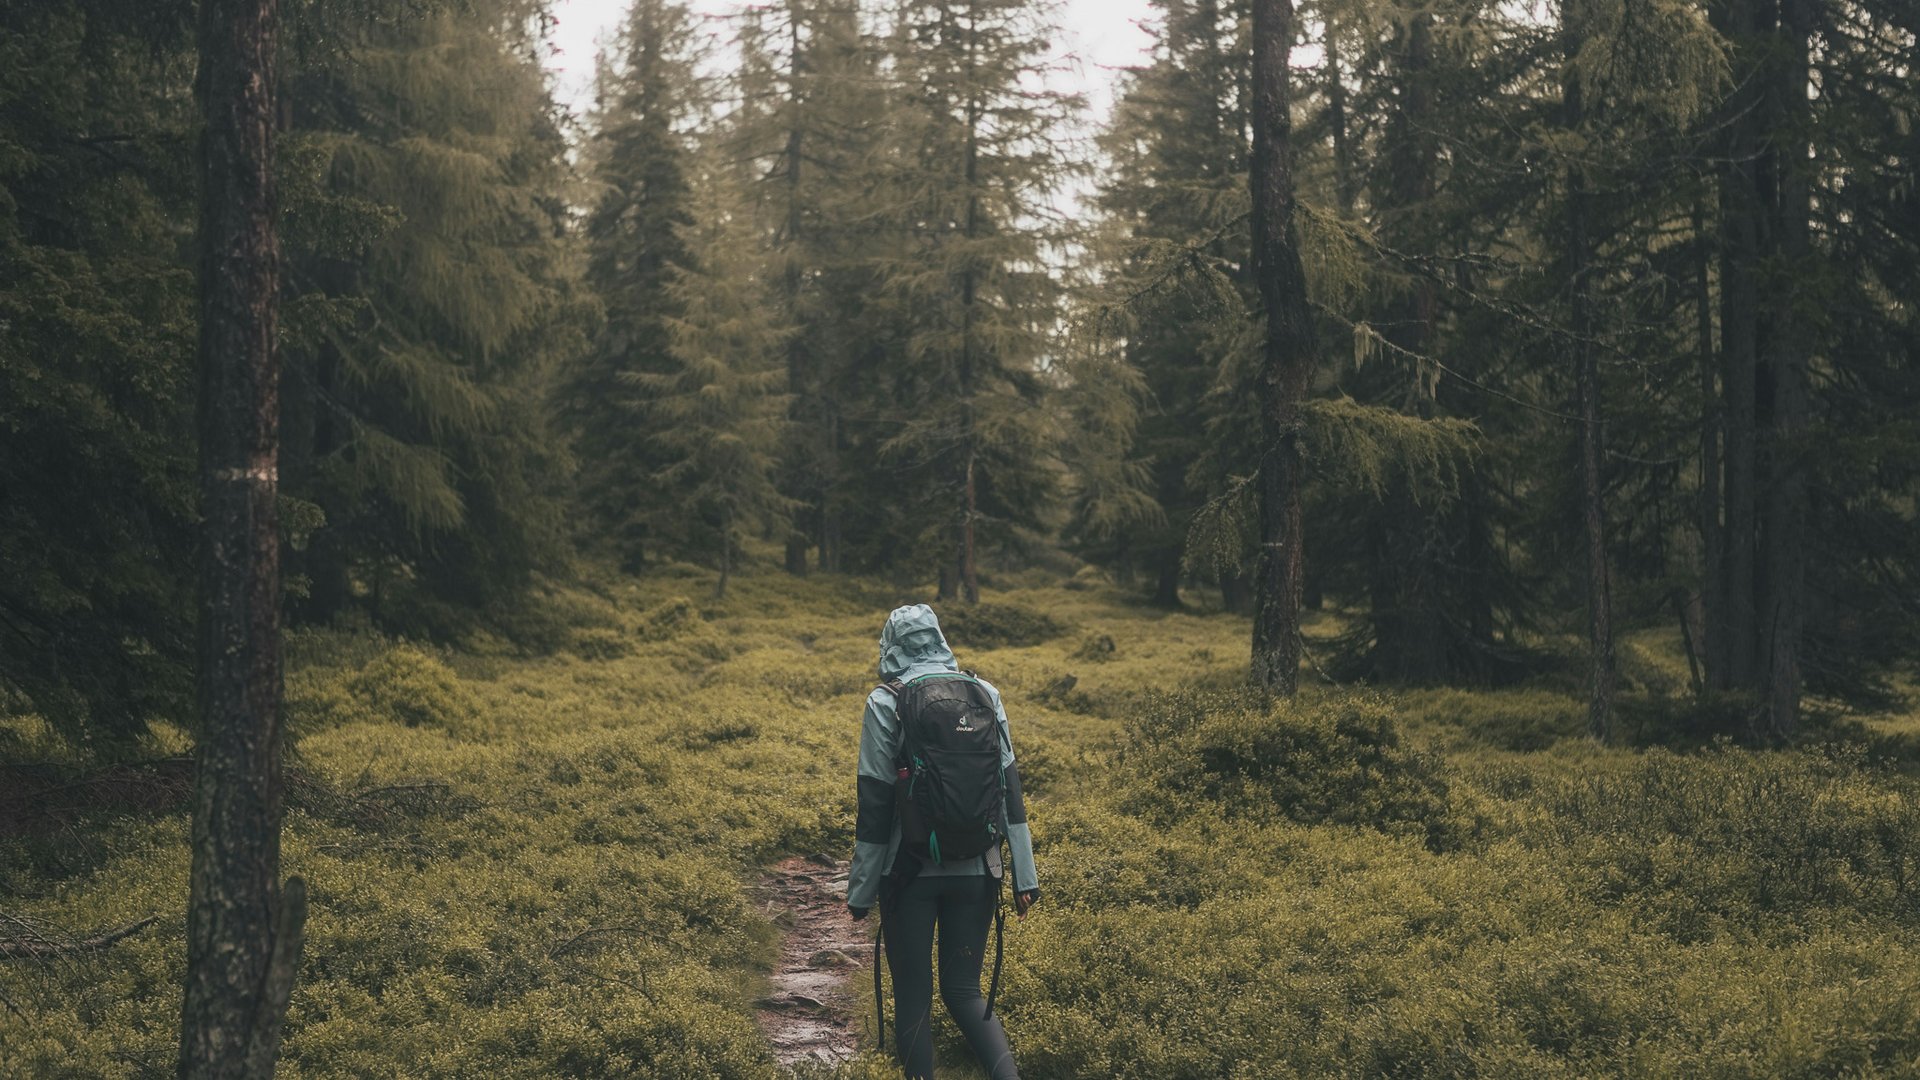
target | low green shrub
x=601, y=643
x=1099, y=648
x=1336, y=760
x=404, y=684
x=1700, y=840
x=1519, y=720
x=997, y=626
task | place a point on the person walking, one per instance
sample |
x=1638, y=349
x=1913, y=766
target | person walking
x=939, y=795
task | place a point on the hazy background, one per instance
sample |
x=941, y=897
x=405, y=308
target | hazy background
x=1097, y=37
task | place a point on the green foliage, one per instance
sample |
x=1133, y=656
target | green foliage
x=97, y=328
x=715, y=412
x=1337, y=761
x=997, y=626
x=406, y=685
x=537, y=865
x=1741, y=838
x=431, y=300
x=1509, y=720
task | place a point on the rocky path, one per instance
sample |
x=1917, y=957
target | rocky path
x=808, y=1013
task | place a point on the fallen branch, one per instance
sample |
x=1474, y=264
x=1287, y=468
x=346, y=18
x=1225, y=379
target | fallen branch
x=41, y=947
x=567, y=946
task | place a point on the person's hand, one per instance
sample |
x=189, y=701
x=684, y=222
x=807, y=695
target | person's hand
x=1023, y=900
x=858, y=913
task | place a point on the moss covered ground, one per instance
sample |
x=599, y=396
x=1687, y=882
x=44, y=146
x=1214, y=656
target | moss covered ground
x=539, y=864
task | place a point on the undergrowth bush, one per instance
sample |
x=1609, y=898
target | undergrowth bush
x=402, y=684
x=540, y=863
x=1520, y=720
x=997, y=626
x=1701, y=840
x=1336, y=760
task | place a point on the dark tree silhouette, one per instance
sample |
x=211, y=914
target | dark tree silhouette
x=243, y=932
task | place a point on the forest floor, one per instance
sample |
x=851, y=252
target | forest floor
x=599, y=845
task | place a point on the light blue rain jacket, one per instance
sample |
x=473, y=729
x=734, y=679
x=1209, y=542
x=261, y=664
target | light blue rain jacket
x=911, y=645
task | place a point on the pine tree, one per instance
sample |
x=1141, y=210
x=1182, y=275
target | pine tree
x=433, y=299
x=1176, y=204
x=244, y=933
x=634, y=241
x=970, y=159
x=716, y=415
x=808, y=90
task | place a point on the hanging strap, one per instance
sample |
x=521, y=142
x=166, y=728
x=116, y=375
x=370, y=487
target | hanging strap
x=999, y=948
x=879, y=1002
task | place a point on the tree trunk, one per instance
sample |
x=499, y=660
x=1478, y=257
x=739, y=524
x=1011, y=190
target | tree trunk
x=1783, y=537
x=726, y=554
x=1288, y=354
x=1344, y=186
x=1411, y=608
x=1237, y=599
x=800, y=380
x=969, y=569
x=243, y=933
x=1713, y=578
x=1741, y=241
x=1600, y=661
x=1166, y=583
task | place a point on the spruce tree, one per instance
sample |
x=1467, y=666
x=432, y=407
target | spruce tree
x=1175, y=253
x=807, y=91
x=970, y=158
x=716, y=413
x=97, y=515
x=432, y=300
x=639, y=160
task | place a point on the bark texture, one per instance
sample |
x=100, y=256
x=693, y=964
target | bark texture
x=243, y=932
x=1600, y=659
x=1288, y=356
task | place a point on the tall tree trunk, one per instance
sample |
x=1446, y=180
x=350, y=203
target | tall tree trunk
x=243, y=932
x=1166, y=582
x=1600, y=660
x=1288, y=354
x=1410, y=607
x=1783, y=536
x=1237, y=599
x=726, y=554
x=1713, y=575
x=968, y=570
x=1345, y=186
x=800, y=381
x=1741, y=250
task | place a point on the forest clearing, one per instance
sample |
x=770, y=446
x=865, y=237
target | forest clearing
x=549, y=866
x=1379, y=538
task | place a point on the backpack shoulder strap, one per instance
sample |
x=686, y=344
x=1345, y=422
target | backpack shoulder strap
x=895, y=687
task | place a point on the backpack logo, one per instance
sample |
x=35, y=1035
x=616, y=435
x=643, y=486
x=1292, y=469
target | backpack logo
x=966, y=724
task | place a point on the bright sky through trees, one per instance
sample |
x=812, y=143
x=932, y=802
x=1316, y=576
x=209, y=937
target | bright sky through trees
x=1099, y=37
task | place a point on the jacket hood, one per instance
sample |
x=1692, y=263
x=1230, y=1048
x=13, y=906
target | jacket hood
x=912, y=639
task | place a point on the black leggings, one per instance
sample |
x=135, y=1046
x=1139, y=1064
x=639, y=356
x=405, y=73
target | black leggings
x=963, y=907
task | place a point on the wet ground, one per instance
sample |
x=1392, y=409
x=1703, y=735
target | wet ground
x=808, y=1012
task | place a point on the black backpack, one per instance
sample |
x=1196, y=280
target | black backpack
x=950, y=787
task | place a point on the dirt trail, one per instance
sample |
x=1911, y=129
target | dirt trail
x=808, y=1014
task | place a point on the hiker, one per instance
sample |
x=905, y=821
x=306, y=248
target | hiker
x=935, y=807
